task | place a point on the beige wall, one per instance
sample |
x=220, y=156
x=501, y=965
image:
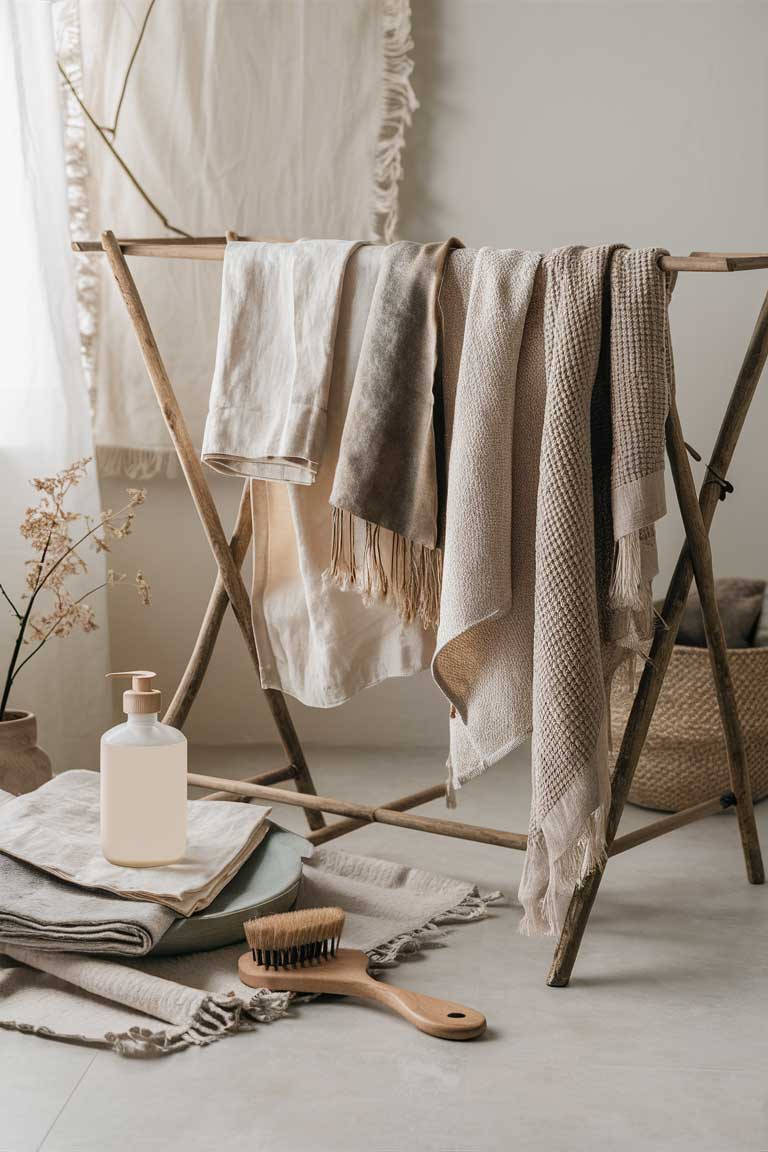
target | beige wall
x=541, y=124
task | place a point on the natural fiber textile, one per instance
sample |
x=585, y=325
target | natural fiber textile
x=277, y=328
x=316, y=641
x=220, y=838
x=484, y=657
x=39, y=911
x=157, y=1006
x=387, y=471
x=641, y=379
x=271, y=118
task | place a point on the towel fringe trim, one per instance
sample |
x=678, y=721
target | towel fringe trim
x=137, y=463
x=398, y=105
x=413, y=582
x=545, y=917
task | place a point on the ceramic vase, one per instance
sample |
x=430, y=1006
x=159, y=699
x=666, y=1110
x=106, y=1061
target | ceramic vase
x=23, y=766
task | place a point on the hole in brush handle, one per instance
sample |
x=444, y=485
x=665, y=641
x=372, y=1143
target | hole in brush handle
x=457, y=1015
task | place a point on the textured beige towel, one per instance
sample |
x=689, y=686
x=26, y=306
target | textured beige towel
x=641, y=379
x=160, y=1005
x=277, y=328
x=484, y=656
x=387, y=472
x=220, y=837
x=570, y=778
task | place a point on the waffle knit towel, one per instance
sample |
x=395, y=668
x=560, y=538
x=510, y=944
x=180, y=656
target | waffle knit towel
x=220, y=838
x=160, y=1005
x=277, y=326
x=387, y=471
x=484, y=657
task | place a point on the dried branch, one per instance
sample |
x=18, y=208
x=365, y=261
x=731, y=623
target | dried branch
x=113, y=130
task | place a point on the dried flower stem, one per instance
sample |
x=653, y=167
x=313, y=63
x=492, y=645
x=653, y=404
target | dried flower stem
x=128, y=71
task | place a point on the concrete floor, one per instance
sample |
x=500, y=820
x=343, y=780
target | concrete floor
x=661, y=1041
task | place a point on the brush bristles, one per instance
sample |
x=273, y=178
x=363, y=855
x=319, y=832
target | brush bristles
x=295, y=938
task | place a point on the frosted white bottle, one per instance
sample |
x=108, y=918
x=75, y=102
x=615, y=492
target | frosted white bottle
x=143, y=783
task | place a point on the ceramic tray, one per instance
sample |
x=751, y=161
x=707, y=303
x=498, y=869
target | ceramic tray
x=267, y=882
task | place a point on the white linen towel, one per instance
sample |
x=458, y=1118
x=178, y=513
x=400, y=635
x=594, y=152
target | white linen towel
x=220, y=837
x=277, y=327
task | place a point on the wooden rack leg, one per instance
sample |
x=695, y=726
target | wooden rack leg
x=653, y=674
x=206, y=508
x=701, y=559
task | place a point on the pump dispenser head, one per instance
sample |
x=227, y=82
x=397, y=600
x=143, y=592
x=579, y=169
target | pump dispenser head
x=141, y=699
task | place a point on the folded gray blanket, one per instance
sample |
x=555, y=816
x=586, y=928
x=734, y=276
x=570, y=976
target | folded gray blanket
x=38, y=910
x=387, y=472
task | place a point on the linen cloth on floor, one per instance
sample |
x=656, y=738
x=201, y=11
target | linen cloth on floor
x=160, y=1005
x=56, y=828
x=298, y=129
x=387, y=471
x=277, y=327
x=315, y=641
x=495, y=390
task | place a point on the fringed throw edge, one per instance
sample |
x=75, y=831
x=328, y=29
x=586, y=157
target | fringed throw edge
x=410, y=582
x=220, y=1015
x=545, y=916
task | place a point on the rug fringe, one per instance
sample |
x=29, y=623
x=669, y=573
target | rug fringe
x=474, y=906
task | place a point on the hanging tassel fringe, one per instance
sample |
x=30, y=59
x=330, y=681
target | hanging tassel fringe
x=398, y=105
x=412, y=584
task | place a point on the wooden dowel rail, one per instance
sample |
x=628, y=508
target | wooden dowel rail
x=212, y=248
x=365, y=813
x=670, y=823
x=342, y=827
x=274, y=776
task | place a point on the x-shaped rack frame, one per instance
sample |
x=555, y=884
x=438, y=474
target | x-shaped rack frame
x=694, y=563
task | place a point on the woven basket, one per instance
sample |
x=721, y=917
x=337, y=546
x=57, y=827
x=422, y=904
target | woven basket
x=684, y=760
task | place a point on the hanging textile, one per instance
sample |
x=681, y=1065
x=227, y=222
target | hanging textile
x=272, y=118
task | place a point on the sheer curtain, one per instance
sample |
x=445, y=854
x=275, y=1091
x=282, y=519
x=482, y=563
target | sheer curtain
x=45, y=421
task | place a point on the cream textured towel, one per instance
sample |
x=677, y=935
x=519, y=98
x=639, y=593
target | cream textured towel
x=387, y=472
x=316, y=641
x=220, y=837
x=163, y=1004
x=484, y=657
x=641, y=379
x=570, y=777
x=277, y=327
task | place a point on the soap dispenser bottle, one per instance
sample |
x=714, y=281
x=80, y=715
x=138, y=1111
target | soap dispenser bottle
x=143, y=783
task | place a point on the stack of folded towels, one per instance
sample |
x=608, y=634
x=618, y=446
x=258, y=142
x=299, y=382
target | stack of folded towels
x=59, y=893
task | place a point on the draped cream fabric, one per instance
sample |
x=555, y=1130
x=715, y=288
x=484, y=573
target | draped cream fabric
x=275, y=118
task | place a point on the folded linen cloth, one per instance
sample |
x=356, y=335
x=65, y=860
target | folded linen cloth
x=315, y=640
x=387, y=471
x=220, y=838
x=277, y=326
x=161, y=1005
x=641, y=380
x=484, y=657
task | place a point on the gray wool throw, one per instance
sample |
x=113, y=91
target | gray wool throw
x=387, y=471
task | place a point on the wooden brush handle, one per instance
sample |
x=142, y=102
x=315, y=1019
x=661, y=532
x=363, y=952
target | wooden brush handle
x=347, y=975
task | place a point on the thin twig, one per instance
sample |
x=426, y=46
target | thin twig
x=113, y=130
x=73, y=547
x=144, y=195
x=16, y=612
x=55, y=625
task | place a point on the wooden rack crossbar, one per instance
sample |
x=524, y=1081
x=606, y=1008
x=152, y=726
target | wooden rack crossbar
x=694, y=563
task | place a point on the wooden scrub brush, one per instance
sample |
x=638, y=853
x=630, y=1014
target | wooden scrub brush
x=299, y=952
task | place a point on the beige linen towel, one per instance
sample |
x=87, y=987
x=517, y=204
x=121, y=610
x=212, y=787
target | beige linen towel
x=387, y=473
x=220, y=837
x=570, y=777
x=161, y=1005
x=277, y=327
x=484, y=657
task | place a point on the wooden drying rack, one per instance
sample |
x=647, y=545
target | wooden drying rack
x=695, y=562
